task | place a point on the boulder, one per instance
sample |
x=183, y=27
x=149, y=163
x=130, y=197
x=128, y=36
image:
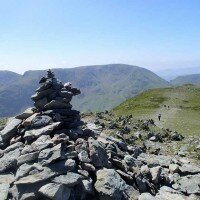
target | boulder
x=40, y=121
x=69, y=180
x=27, y=113
x=98, y=154
x=4, y=189
x=10, y=129
x=55, y=191
x=109, y=184
x=36, y=133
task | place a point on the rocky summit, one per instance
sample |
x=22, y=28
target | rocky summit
x=48, y=152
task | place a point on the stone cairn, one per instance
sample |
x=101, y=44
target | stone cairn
x=47, y=153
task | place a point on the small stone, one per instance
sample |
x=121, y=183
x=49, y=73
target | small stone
x=70, y=164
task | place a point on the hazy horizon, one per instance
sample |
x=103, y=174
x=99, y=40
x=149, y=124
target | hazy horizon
x=62, y=34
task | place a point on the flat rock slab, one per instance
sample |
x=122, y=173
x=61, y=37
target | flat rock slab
x=154, y=160
x=55, y=191
x=36, y=133
x=189, y=169
x=4, y=189
x=37, y=177
x=10, y=129
x=70, y=180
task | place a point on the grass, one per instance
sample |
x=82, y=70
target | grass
x=182, y=115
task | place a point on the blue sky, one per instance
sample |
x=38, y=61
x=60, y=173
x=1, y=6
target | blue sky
x=156, y=34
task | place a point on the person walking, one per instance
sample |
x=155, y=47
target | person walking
x=159, y=117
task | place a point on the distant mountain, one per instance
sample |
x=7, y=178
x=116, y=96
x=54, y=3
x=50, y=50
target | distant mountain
x=102, y=86
x=189, y=79
x=7, y=77
x=169, y=74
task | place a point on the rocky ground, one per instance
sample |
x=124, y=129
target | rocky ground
x=50, y=152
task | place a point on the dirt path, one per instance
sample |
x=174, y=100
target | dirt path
x=166, y=115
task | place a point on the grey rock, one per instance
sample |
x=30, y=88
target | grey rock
x=9, y=160
x=130, y=193
x=83, y=173
x=57, y=105
x=41, y=94
x=55, y=191
x=50, y=155
x=70, y=165
x=25, y=169
x=89, y=167
x=83, y=156
x=189, y=184
x=4, y=189
x=155, y=160
x=10, y=129
x=98, y=154
x=7, y=178
x=36, y=176
x=174, y=168
x=41, y=103
x=27, y=158
x=27, y=113
x=88, y=186
x=109, y=184
x=70, y=180
x=27, y=149
x=167, y=193
x=42, y=142
x=40, y=121
x=146, y=196
x=189, y=169
x=156, y=174
x=36, y=133
x=18, y=145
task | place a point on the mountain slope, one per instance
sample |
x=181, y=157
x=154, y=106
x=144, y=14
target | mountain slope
x=103, y=86
x=189, y=79
x=179, y=107
x=7, y=77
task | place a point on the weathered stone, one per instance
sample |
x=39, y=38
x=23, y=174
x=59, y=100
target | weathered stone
x=55, y=191
x=60, y=138
x=109, y=184
x=98, y=154
x=39, y=104
x=167, y=193
x=36, y=133
x=9, y=160
x=130, y=193
x=27, y=113
x=89, y=167
x=174, y=168
x=155, y=173
x=41, y=94
x=7, y=178
x=70, y=165
x=42, y=142
x=70, y=180
x=50, y=155
x=83, y=156
x=83, y=173
x=88, y=186
x=36, y=176
x=10, y=129
x=57, y=105
x=30, y=157
x=146, y=196
x=189, y=184
x=189, y=169
x=4, y=189
x=18, y=145
x=40, y=121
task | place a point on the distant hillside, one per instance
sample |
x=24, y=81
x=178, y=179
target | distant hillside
x=183, y=113
x=189, y=79
x=103, y=87
x=170, y=74
x=7, y=77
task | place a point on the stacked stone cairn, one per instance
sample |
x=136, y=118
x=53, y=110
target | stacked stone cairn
x=46, y=153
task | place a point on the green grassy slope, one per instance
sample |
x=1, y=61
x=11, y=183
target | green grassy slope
x=183, y=113
x=102, y=87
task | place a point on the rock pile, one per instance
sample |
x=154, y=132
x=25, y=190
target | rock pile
x=47, y=154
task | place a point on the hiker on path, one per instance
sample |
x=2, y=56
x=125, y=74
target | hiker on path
x=159, y=117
